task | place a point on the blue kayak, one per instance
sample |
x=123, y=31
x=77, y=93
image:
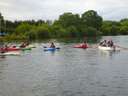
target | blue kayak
x=51, y=49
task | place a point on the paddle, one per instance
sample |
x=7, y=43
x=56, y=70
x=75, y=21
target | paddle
x=121, y=47
x=93, y=46
x=57, y=47
x=44, y=46
x=49, y=47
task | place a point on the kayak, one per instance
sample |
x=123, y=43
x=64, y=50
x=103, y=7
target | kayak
x=14, y=49
x=24, y=49
x=80, y=46
x=9, y=49
x=17, y=53
x=51, y=49
x=108, y=48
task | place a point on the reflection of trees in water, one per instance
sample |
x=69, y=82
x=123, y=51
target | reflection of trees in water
x=2, y=69
x=108, y=53
x=91, y=40
x=2, y=57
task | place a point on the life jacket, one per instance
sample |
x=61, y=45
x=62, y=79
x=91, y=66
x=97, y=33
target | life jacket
x=84, y=45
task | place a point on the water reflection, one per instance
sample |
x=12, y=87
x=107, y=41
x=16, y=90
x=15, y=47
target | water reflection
x=108, y=53
x=67, y=72
x=3, y=66
x=2, y=57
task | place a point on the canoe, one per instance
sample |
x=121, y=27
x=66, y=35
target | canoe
x=12, y=53
x=108, y=48
x=80, y=46
x=51, y=49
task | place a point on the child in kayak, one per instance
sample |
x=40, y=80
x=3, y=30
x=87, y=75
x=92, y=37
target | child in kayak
x=103, y=43
x=110, y=43
x=52, y=45
x=24, y=44
x=84, y=45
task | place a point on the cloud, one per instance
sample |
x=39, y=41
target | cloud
x=51, y=9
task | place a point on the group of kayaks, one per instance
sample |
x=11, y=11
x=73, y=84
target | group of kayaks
x=81, y=46
x=14, y=50
x=105, y=48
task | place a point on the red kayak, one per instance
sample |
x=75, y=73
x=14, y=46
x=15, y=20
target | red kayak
x=81, y=46
x=9, y=49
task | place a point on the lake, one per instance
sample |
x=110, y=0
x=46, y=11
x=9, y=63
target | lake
x=66, y=72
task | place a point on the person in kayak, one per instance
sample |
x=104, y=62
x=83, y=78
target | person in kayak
x=110, y=43
x=103, y=43
x=84, y=44
x=24, y=44
x=52, y=45
x=6, y=47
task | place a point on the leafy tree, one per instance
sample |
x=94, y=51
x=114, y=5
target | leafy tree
x=23, y=28
x=2, y=25
x=72, y=31
x=58, y=31
x=124, y=30
x=68, y=19
x=110, y=28
x=124, y=22
x=92, y=19
x=43, y=31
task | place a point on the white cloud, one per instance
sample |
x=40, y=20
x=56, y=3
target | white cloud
x=51, y=9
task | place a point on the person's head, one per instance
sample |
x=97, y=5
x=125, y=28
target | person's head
x=105, y=40
x=6, y=45
x=85, y=41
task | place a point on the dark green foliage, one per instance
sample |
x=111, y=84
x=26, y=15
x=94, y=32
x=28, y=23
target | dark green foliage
x=124, y=26
x=110, y=28
x=69, y=25
x=92, y=19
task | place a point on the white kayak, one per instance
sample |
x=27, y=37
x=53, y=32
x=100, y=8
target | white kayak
x=12, y=53
x=108, y=48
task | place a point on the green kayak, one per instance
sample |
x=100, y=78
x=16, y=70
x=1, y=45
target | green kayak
x=24, y=49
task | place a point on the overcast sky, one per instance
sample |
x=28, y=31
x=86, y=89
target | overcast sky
x=51, y=9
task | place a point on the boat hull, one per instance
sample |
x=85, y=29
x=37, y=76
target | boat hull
x=10, y=49
x=10, y=54
x=81, y=46
x=108, y=48
x=51, y=49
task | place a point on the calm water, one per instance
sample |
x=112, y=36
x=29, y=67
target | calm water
x=67, y=72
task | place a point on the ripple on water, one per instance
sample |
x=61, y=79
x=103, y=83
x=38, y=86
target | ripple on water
x=50, y=95
x=67, y=93
x=68, y=72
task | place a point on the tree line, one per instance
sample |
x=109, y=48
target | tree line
x=68, y=25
